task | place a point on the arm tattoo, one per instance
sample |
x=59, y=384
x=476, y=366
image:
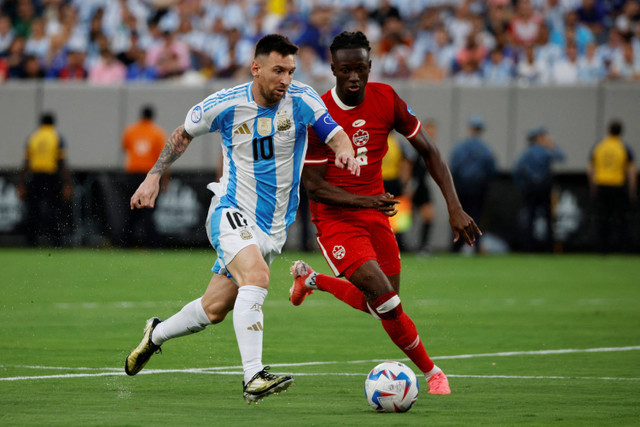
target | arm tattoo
x=173, y=149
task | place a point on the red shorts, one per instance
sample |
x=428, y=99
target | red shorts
x=358, y=237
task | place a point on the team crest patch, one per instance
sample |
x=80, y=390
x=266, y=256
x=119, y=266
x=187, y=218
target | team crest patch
x=339, y=252
x=264, y=126
x=245, y=234
x=360, y=138
x=196, y=114
x=283, y=122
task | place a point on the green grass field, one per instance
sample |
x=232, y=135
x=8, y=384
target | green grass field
x=533, y=340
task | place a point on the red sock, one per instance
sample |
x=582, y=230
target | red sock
x=404, y=334
x=344, y=290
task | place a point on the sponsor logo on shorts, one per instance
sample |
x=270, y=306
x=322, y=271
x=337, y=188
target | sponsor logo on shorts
x=196, y=114
x=338, y=252
x=245, y=234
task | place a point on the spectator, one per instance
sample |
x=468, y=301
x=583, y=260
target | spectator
x=74, y=68
x=591, y=70
x=565, y=70
x=625, y=65
x=38, y=43
x=319, y=31
x=45, y=183
x=16, y=56
x=395, y=61
x=361, y=21
x=444, y=50
x=572, y=30
x=629, y=17
x=26, y=14
x=310, y=69
x=532, y=174
x=107, y=70
x=592, y=14
x=233, y=58
x=138, y=70
x=142, y=143
x=429, y=70
x=613, y=184
x=497, y=70
x=169, y=56
x=473, y=167
x=532, y=71
x=31, y=69
x=525, y=24
x=469, y=75
x=6, y=34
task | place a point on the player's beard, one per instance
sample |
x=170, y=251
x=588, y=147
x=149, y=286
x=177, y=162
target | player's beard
x=272, y=96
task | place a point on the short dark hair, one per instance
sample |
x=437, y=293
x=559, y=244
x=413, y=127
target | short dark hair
x=350, y=40
x=147, y=112
x=47, y=118
x=275, y=43
x=615, y=127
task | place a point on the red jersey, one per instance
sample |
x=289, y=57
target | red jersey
x=368, y=126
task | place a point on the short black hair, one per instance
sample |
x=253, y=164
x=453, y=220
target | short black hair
x=275, y=43
x=47, y=118
x=615, y=127
x=147, y=112
x=350, y=40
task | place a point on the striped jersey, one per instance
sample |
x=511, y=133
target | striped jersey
x=263, y=148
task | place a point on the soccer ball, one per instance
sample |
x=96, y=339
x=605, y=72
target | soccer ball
x=391, y=387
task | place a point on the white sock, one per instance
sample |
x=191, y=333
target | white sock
x=310, y=282
x=248, y=323
x=429, y=374
x=191, y=319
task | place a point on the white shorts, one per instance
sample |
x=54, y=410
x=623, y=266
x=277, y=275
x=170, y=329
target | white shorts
x=230, y=231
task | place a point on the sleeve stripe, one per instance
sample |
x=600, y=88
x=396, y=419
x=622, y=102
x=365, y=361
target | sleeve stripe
x=333, y=132
x=415, y=132
x=315, y=162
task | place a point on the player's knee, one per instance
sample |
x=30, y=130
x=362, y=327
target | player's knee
x=216, y=311
x=255, y=277
x=388, y=306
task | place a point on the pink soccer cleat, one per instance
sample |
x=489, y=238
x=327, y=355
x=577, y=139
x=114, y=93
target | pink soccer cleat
x=300, y=271
x=439, y=384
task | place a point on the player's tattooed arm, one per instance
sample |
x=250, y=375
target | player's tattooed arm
x=174, y=148
x=146, y=194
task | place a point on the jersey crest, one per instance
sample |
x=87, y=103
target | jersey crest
x=264, y=126
x=360, y=138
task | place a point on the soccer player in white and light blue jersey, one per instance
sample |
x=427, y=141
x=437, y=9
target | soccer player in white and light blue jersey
x=264, y=139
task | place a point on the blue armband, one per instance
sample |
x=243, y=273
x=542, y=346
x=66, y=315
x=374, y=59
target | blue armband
x=325, y=126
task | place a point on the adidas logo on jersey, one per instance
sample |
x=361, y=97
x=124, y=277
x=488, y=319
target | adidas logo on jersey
x=242, y=130
x=255, y=327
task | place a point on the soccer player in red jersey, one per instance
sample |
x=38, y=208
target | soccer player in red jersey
x=351, y=213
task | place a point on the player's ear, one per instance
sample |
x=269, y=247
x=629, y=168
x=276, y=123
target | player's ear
x=255, y=68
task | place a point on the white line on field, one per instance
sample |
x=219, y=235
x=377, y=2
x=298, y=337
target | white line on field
x=236, y=370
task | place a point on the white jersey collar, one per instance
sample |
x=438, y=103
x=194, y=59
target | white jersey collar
x=337, y=100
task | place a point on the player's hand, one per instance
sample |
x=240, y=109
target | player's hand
x=464, y=227
x=146, y=194
x=386, y=203
x=345, y=160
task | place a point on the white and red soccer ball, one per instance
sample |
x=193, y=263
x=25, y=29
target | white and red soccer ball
x=391, y=387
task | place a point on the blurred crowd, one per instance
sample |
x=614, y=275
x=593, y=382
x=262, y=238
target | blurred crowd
x=470, y=42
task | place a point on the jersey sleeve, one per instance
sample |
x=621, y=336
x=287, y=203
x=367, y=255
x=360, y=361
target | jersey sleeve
x=405, y=119
x=630, y=155
x=200, y=119
x=315, y=112
x=316, y=151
